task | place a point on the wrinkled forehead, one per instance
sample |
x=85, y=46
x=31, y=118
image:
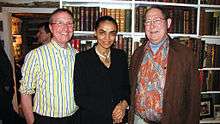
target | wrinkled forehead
x=154, y=13
x=61, y=16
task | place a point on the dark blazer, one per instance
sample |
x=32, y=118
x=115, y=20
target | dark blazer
x=98, y=88
x=6, y=84
x=181, y=103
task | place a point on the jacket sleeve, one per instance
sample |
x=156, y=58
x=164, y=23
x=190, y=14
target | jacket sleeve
x=78, y=81
x=194, y=94
x=6, y=73
x=125, y=87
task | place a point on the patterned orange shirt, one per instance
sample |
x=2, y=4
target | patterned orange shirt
x=150, y=84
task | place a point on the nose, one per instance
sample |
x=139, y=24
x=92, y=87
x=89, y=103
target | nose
x=152, y=25
x=107, y=36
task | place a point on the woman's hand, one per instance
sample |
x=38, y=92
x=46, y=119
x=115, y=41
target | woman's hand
x=119, y=111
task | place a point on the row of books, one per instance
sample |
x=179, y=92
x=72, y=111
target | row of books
x=210, y=23
x=84, y=17
x=124, y=43
x=207, y=55
x=183, y=20
x=122, y=16
x=213, y=2
x=211, y=79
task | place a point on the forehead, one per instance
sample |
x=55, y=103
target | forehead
x=154, y=12
x=61, y=16
x=107, y=26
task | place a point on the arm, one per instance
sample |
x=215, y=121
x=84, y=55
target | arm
x=125, y=85
x=26, y=104
x=194, y=94
x=79, y=79
x=6, y=72
x=28, y=84
x=124, y=92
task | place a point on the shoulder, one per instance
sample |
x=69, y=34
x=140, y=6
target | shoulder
x=85, y=54
x=139, y=50
x=118, y=51
x=37, y=51
x=178, y=47
x=182, y=52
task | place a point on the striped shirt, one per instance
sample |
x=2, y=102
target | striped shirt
x=48, y=72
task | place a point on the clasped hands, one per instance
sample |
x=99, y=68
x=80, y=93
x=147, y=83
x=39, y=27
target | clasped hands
x=119, y=112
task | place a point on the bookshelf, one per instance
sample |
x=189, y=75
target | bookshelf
x=195, y=20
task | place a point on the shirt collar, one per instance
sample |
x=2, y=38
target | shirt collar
x=57, y=46
x=164, y=43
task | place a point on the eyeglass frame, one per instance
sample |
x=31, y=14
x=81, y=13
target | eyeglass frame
x=157, y=21
x=62, y=24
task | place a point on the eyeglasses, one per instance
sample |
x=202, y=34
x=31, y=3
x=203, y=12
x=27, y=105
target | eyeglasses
x=69, y=24
x=157, y=21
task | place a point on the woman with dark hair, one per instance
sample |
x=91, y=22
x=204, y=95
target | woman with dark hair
x=101, y=78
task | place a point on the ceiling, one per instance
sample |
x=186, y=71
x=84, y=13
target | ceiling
x=31, y=15
x=30, y=3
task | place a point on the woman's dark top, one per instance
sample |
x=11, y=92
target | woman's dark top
x=98, y=88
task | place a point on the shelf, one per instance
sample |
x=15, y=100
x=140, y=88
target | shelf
x=210, y=37
x=171, y=34
x=210, y=6
x=209, y=69
x=97, y=1
x=210, y=92
x=209, y=121
x=92, y=32
x=113, y=5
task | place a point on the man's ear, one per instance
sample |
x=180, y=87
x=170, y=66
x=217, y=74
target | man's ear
x=50, y=27
x=169, y=21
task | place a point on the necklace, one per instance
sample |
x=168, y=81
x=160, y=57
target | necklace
x=105, y=58
x=101, y=55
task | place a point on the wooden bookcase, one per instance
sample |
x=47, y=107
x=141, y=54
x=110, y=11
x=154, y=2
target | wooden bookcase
x=197, y=20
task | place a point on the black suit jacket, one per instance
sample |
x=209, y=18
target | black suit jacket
x=98, y=88
x=6, y=83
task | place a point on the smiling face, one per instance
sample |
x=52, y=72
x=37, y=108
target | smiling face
x=61, y=27
x=156, y=25
x=106, y=33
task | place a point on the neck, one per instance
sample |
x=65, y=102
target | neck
x=159, y=42
x=102, y=50
x=63, y=45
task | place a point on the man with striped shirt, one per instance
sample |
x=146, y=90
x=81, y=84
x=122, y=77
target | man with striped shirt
x=48, y=74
